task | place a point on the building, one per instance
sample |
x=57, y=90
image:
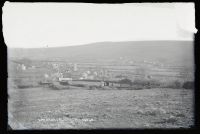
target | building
x=75, y=67
x=65, y=80
x=23, y=67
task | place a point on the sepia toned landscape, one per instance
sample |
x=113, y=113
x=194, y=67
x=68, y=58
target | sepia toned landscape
x=133, y=84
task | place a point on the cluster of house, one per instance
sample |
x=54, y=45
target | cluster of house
x=23, y=67
x=65, y=67
x=72, y=71
x=89, y=75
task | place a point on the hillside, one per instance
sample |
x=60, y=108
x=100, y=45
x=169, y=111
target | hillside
x=177, y=52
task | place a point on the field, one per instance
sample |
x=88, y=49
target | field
x=126, y=70
x=44, y=108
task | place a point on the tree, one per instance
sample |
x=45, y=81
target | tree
x=188, y=85
x=125, y=81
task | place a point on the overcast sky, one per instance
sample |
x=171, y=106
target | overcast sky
x=29, y=25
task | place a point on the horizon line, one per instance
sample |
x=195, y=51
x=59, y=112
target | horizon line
x=98, y=42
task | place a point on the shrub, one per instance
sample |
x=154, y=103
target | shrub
x=178, y=84
x=125, y=81
x=64, y=83
x=136, y=87
x=56, y=85
x=188, y=85
x=153, y=83
x=24, y=86
x=79, y=85
x=140, y=82
x=175, y=84
x=108, y=88
x=146, y=83
x=93, y=87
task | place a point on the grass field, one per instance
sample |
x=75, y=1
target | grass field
x=44, y=108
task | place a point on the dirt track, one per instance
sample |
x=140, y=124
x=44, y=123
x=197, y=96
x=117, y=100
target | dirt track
x=39, y=108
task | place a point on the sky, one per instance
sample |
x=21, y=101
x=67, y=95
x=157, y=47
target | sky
x=32, y=25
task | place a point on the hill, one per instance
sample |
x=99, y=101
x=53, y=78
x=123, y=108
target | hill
x=176, y=52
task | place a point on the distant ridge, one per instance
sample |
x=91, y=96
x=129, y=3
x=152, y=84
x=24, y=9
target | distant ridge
x=119, y=42
x=178, y=52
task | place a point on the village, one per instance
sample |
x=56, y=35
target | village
x=83, y=94
x=61, y=74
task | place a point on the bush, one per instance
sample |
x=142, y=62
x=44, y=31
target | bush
x=172, y=84
x=64, y=83
x=141, y=82
x=24, y=86
x=146, y=83
x=125, y=81
x=177, y=84
x=188, y=85
x=152, y=83
x=79, y=85
x=136, y=87
x=93, y=87
x=57, y=85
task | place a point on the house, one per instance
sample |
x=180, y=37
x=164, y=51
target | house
x=75, y=67
x=95, y=73
x=84, y=75
x=113, y=83
x=65, y=80
x=46, y=75
x=23, y=67
x=32, y=67
x=88, y=72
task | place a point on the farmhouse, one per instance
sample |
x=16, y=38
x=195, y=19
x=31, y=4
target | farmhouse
x=23, y=67
x=65, y=80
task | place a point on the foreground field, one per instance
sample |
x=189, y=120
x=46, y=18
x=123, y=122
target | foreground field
x=44, y=108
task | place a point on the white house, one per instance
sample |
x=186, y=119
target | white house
x=75, y=67
x=23, y=67
x=65, y=79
